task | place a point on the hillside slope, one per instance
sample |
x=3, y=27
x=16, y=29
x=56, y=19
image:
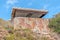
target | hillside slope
x=7, y=32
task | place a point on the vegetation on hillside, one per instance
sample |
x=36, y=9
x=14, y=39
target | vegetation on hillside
x=54, y=23
x=7, y=31
x=21, y=34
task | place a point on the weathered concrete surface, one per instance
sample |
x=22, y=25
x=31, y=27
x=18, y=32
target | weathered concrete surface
x=38, y=25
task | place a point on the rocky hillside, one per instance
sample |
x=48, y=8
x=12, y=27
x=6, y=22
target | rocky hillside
x=6, y=29
x=7, y=32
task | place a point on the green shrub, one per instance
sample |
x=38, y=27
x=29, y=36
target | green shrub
x=55, y=23
x=10, y=37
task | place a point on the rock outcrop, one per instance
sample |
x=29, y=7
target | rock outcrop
x=37, y=25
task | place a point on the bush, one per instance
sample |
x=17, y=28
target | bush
x=55, y=23
x=10, y=37
x=24, y=34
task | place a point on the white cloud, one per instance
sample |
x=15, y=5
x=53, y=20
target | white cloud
x=45, y=6
x=29, y=4
x=33, y=0
x=12, y=2
x=9, y=3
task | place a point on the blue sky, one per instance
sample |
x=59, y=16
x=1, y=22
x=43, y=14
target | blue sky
x=53, y=6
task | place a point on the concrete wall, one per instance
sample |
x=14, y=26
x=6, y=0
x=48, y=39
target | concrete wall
x=37, y=25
